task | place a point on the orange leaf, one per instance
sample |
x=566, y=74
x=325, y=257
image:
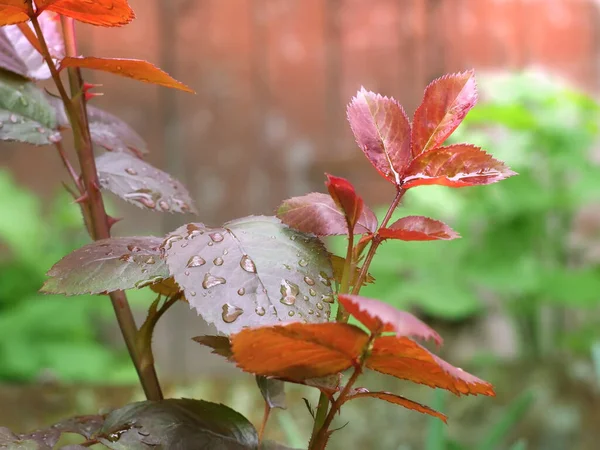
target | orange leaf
x=131, y=68
x=166, y=287
x=337, y=263
x=379, y=316
x=398, y=400
x=13, y=11
x=298, y=351
x=407, y=360
x=106, y=13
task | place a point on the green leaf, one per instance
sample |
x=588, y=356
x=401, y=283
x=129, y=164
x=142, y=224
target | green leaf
x=9, y=441
x=178, y=424
x=252, y=271
x=25, y=114
x=108, y=265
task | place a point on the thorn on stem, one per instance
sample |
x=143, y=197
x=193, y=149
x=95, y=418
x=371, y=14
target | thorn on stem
x=112, y=220
x=82, y=198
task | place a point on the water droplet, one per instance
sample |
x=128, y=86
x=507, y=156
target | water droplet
x=13, y=118
x=288, y=300
x=218, y=261
x=55, y=137
x=289, y=291
x=171, y=240
x=309, y=281
x=109, y=253
x=193, y=293
x=311, y=311
x=225, y=252
x=327, y=298
x=231, y=313
x=312, y=292
x=131, y=171
x=211, y=281
x=164, y=205
x=141, y=197
x=287, y=266
x=320, y=306
x=323, y=278
x=318, y=314
x=260, y=311
x=133, y=248
x=150, y=260
x=143, y=283
x=216, y=237
x=291, y=313
x=305, y=298
x=241, y=291
x=247, y=264
x=196, y=261
x=187, y=273
x=144, y=270
x=126, y=257
x=303, y=263
x=293, y=237
x=272, y=237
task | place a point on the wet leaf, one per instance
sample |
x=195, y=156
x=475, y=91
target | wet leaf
x=139, y=183
x=166, y=287
x=19, y=56
x=382, y=131
x=446, y=102
x=398, y=400
x=455, y=166
x=219, y=344
x=108, y=265
x=381, y=317
x=343, y=194
x=130, y=68
x=25, y=114
x=407, y=360
x=298, y=351
x=9, y=441
x=108, y=13
x=418, y=228
x=13, y=11
x=86, y=426
x=252, y=271
x=178, y=424
x=318, y=214
x=273, y=391
x=338, y=263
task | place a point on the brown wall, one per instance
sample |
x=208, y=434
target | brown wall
x=273, y=78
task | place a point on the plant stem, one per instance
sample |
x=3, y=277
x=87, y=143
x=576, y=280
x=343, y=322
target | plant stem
x=263, y=425
x=76, y=111
x=68, y=166
x=342, y=315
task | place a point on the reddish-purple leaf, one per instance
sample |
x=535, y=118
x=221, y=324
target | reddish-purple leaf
x=379, y=316
x=398, y=400
x=407, y=360
x=382, y=131
x=446, y=102
x=455, y=166
x=418, y=228
x=318, y=214
x=344, y=195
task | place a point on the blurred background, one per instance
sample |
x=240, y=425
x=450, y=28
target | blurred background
x=517, y=299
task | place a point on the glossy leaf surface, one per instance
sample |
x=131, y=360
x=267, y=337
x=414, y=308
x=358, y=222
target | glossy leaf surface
x=446, y=102
x=178, y=424
x=108, y=265
x=407, y=360
x=130, y=68
x=381, y=317
x=25, y=114
x=139, y=183
x=418, y=228
x=252, y=271
x=382, y=131
x=318, y=214
x=457, y=165
x=108, y=13
x=398, y=400
x=19, y=56
x=298, y=351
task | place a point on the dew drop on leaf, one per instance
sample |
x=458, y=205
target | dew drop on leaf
x=311, y=311
x=193, y=293
x=241, y=291
x=291, y=313
x=309, y=281
x=323, y=278
x=133, y=248
x=247, y=264
x=164, y=205
x=327, y=298
x=150, y=260
x=260, y=311
x=126, y=257
x=13, y=118
x=225, y=252
x=312, y=292
x=293, y=237
x=303, y=263
x=196, y=261
x=231, y=313
x=131, y=171
x=187, y=273
x=218, y=261
x=320, y=306
x=305, y=297
x=211, y=281
x=171, y=240
x=216, y=237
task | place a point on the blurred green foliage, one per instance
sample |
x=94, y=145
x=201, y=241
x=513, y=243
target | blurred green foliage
x=43, y=336
x=516, y=247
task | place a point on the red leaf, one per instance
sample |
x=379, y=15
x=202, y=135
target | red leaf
x=407, y=360
x=298, y=351
x=418, y=228
x=343, y=194
x=379, y=316
x=131, y=68
x=107, y=13
x=398, y=400
x=455, y=166
x=382, y=131
x=446, y=102
x=318, y=214
x=13, y=11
